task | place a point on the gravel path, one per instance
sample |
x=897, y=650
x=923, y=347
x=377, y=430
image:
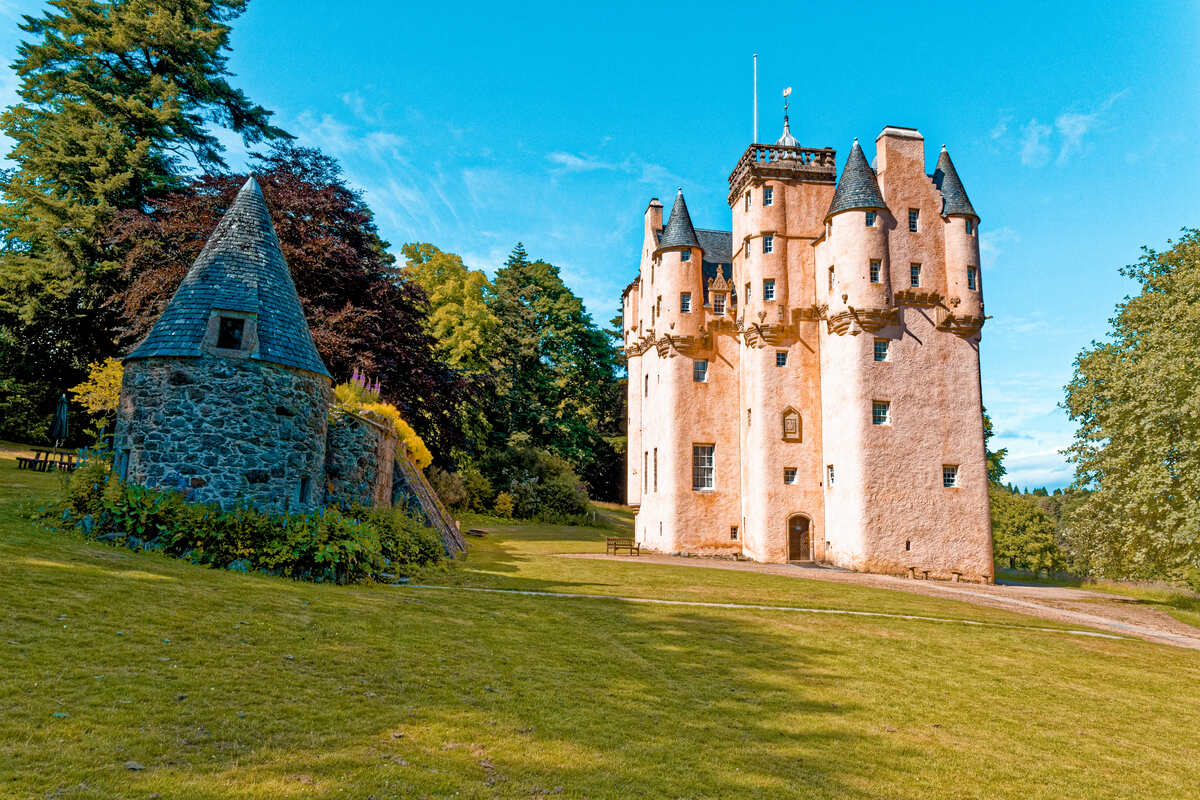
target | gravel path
x=1099, y=610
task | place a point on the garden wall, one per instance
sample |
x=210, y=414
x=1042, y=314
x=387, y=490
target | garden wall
x=360, y=461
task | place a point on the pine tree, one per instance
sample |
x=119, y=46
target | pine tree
x=116, y=102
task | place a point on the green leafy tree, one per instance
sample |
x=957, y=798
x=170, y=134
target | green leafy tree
x=1137, y=446
x=555, y=373
x=995, y=458
x=116, y=102
x=460, y=318
x=1023, y=535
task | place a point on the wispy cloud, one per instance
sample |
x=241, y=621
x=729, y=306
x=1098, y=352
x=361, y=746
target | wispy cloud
x=570, y=162
x=1001, y=127
x=1073, y=126
x=1035, y=151
x=994, y=242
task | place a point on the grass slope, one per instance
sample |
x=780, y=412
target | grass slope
x=223, y=685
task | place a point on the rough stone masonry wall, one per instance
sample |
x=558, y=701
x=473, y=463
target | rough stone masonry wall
x=360, y=462
x=224, y=431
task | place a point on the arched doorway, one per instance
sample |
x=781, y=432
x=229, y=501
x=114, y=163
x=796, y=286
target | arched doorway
x=799, y=538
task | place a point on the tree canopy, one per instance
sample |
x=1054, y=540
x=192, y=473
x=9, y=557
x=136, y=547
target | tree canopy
x=1137, y=446
x=364, y=315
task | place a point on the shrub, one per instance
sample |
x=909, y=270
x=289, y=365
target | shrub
x=328, y=545
x=359, y=397
x=541, y=484
x=450, y=489
x=504, y=505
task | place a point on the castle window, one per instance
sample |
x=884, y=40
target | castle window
x=914, y=275
x=703, y=478
x=789, y=475
x=829, y=475
x=876, y=270
x=685, y=302
x=769, y=289
x=768, y=196
x=733, y=532
x=700, y=370
x=305, y=492
x=656, y=469
x=123, y=464
x=832, y=277
x=907, y=545
x=972, y=282
x=747, y=201
x=645, y=470
x=229, y=333
x=791, y=425
x=970, y=227
x=658, y=307
x=781, y=358
x=685, y=255
x=646, y=393
x=747, y=297
x=881, y=349
x=913, y=216
x=881, y=412
x=870, y=219
x=768, y=243
x=950, y=476
x=718, y=303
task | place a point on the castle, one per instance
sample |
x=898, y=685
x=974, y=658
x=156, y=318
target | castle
x=806, y=386
x=228, y=402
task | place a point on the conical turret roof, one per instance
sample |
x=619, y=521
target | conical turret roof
x=679, y=231
x=858, y=186
x=241, y=269
x=954, y=196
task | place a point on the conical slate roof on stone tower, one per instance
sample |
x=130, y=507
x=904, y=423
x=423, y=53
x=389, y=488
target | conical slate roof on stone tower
x=954, y=196
x=240, y=269
x=679, y=231
x=858, y=186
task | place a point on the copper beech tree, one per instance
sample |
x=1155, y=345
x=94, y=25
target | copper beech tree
x=363, y=313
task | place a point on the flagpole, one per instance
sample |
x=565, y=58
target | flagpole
x=755, y=139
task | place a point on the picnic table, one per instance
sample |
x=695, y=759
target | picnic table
x=44, y=460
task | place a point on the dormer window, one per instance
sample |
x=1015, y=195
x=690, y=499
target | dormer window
x=229, y=333
x=685, y=255
x=768, y=196
x=871, y=220
x=718, y=304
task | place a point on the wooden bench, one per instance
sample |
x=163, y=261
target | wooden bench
x=613, y=545
x=45, y=460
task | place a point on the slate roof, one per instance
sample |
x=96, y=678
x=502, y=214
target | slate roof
x=718, y=252
x=954, y=196
x=858, y=187
x=678, y=231
x=241, y=268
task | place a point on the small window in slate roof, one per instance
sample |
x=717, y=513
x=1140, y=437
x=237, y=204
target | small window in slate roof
x=229, y=333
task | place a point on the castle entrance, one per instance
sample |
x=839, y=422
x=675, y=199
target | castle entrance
x=799, y=540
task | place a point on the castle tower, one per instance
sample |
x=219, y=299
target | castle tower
x=777, y=196
x=226, y=398
x=905, y=477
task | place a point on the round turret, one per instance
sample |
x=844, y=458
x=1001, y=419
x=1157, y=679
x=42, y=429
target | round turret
x=964, y=287
x=856, y=246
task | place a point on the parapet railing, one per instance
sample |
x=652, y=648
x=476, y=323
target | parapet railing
x=808, y=159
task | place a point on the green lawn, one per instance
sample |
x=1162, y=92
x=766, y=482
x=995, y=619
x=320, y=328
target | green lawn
x=1180, y=604
x=221, y=685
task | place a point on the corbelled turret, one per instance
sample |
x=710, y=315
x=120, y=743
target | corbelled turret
x=678, y=231
x=858, y=187
x=954, y=196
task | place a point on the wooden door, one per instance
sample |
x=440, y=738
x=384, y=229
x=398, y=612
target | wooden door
x=799, y=546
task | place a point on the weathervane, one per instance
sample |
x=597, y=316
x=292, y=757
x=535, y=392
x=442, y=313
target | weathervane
x=786, y=94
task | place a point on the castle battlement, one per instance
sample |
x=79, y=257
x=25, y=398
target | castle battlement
x=805, y=385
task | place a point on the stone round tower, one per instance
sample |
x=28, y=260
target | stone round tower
x=227, y=399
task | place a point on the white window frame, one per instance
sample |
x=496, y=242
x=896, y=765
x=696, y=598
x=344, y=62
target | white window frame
x=768, y=289
x=914, y=276
x=876, y=419
x=704, y=475
x=972, y=279
x=718, y=303
x=875, y=270
x=950, y=476
x=700, y=368
x=870, y=219
x=793, y=473
x=768, y=243
x=685, y=255
x=781, y=358
x=887, y=350
x=768, y=196
x=685, y=302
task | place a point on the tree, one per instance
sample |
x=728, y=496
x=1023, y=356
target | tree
x=1137, y=446
x=363, y=314
x=995, y=458
x=1023, y=534
x=460, y=319
x=116, y=98
x=555, y=372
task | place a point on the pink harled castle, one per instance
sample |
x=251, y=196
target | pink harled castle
x=806, y=387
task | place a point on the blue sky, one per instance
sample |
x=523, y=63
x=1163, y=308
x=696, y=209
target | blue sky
x=472, y=126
